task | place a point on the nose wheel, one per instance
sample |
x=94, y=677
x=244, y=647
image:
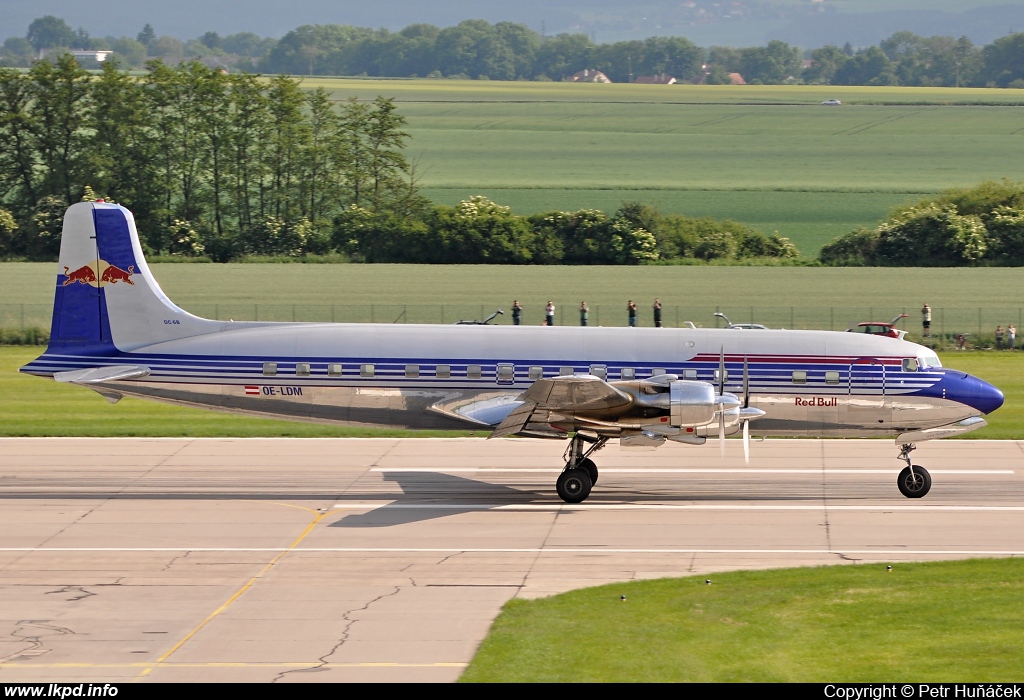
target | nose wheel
x=914, y=481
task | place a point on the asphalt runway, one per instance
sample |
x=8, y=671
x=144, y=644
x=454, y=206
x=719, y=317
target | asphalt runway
x=386, y=560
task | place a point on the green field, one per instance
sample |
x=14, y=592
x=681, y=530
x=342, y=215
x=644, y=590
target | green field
x=964, y=300
x=941, y=622
x=35, y=407
x=768, y=156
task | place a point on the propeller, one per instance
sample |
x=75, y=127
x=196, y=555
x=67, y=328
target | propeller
x=746, y=404
x=721, y=390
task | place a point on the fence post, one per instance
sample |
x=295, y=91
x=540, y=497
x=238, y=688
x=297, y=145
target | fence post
x=22, y=318
x=332, y=313
x=216, y=311
x=293, y=313
x=792, y=322
x=942, y=327
x=597, y=312
x=442, y=314
x=979, y=323
x=831, y=318
x=256, y=312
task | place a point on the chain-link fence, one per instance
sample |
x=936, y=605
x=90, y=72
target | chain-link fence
x=30, y=323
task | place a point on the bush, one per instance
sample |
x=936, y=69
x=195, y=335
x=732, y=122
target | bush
x=855, y=249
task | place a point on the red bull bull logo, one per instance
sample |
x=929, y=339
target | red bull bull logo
x=84, y=275
x=111, y=274
x=115, y=274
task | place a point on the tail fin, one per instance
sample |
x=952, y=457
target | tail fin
x=106, y=298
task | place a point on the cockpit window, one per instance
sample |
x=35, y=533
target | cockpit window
x=909, y=364
x=926, y=361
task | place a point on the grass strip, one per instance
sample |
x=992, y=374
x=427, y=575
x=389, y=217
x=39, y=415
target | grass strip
x=937, y=621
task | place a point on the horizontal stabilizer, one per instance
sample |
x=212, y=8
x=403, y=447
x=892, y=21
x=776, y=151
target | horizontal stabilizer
x=100, y=375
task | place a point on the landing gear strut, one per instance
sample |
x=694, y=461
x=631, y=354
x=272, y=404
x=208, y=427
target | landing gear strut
x=914, y=481
x=580, y=473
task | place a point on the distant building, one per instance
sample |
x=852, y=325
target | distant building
x=98, y=56
x=659, y=79
x=590, y=76
x=737, y=79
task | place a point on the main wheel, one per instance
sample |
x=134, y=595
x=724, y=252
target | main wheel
x=591, y=468
x=574, y=485
x=916, y=483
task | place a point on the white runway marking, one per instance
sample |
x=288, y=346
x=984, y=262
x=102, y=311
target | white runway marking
x=551, y=507
x=671, y=470
x=597, y=549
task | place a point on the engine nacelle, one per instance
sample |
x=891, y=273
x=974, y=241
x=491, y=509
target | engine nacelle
x=692, y=404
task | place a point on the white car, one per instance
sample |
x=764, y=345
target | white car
x=831, y=103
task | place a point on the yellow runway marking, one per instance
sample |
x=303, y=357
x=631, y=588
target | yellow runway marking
x=238, y=594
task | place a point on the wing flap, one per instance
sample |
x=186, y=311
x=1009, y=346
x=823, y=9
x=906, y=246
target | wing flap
x=574, y=394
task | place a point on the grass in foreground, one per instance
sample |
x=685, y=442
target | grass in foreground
x=939, y=621
x=35, y=407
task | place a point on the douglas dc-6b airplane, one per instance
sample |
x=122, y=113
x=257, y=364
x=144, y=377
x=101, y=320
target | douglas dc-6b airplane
x=116, y=332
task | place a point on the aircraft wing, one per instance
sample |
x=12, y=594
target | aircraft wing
x=559, y=396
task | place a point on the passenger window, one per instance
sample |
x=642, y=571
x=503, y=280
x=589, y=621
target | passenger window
x=473, y=371
x=831, y=377
x=302, y=369
x=443, y=371
x=334, y=370
x=657, y=370
x=365, y=370
x=599, y=371
x=689, y=374
x=565, y=371
x=536, y=373
x=799, y=377
x=269, y=369
x=412, y=371
x=628, y=374
x=909, y=364
x=718, y=373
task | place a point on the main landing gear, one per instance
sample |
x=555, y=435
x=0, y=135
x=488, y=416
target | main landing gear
x=580, y=473
x=913, y=481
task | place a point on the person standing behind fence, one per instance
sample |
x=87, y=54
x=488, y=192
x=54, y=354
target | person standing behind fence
x=549, y=314
x=517, y=313
x=584, y=313
x=999, y=337
x=926, y=320
x=1011, y=336
x=631, y=308
x=657, y=313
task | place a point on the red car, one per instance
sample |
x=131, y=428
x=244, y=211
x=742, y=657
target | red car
x=880, y=328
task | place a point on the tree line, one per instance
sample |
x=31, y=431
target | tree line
x=226, y=166
x=976, y=226
x=509, y=51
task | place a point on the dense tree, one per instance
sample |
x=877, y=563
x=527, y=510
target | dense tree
x=50, y=32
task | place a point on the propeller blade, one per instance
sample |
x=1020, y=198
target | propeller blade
x=721, y=372
x=746, y=441
x=721, y=434
x=746, y=383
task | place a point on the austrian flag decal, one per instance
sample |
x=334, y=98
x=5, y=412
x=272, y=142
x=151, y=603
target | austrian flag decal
x=252, y=390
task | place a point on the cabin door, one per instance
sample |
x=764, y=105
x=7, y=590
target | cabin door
x=867, y=404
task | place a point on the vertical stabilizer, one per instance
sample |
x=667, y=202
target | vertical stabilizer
x=106, y=297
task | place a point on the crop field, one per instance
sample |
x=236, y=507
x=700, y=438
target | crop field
x=956, y=621
x=964, y=300
x=769, y=156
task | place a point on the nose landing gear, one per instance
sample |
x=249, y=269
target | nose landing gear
x=914, y=481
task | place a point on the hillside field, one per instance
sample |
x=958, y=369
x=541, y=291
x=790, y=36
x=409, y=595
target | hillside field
x=769, y=156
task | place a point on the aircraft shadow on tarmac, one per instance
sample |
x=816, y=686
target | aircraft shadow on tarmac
x=453, y=495
x=424, y=489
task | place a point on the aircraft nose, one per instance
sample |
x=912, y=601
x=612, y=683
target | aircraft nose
x=982, y=395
